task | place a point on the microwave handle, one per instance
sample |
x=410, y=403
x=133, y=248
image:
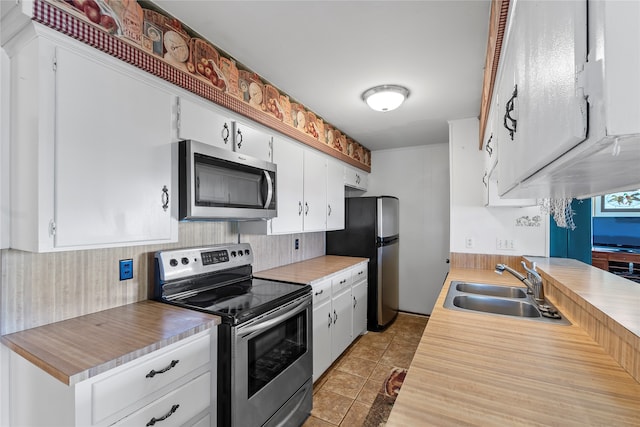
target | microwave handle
x=269, y=188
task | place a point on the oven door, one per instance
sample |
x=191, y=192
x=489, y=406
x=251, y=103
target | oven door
x=273, y=361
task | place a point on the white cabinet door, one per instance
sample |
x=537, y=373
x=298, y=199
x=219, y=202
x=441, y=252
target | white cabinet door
x=322, y=327
x=547, y=47
x=335, y=195
x=315, y=191
x=359, y=296
x=289, y=157
x=113, y=177
x=355, y=178
x=341, y=310
x=205, y=123
x=252, y=142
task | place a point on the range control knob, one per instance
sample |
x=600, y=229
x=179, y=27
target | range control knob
x=240, y=253
x=185, y=261
x=233, y=254
x=246, y=251
x=173, y=262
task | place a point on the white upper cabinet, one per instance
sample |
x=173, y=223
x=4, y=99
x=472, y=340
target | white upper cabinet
x=335, y=195
x=355, y=178
x=252, y=141
x=91, y=151
x=289, y=158
x=310, y=192
x=544, y=107
x=315, y=191
x=203, y=122
x=576, y=111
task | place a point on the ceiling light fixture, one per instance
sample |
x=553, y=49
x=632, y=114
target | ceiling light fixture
x=385, y=97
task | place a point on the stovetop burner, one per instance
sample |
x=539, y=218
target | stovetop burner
x=240, y=301
x=219, y=280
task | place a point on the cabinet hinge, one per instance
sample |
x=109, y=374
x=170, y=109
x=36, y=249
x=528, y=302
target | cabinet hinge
x=178, y=112
x=52, y=228
x=590, y=79
x=54, y=63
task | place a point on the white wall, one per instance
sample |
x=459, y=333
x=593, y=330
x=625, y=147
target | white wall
x=419, y=178
x=470, y=218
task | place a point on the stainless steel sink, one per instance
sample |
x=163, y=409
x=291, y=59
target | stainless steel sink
x=501, y=301
x=492, y=290
x=509, y=307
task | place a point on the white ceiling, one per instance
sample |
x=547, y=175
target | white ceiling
x=324, y=54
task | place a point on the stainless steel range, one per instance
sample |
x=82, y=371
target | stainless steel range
x=264, y=341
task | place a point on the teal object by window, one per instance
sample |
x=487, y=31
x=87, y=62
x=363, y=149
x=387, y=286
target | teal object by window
x=576, y=243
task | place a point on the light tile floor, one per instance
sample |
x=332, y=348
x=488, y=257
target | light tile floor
x=344, y=394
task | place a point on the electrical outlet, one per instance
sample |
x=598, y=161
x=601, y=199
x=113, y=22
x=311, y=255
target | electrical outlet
x=126, y=269
x=468, y=242
x=506, y=244
x=296, y=244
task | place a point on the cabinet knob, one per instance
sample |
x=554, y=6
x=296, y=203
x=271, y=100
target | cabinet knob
x=153, y=372
x=355, y=302
x=509, y=107
x=306, y=208
x=299, y=208
x=335, y=317
x=165, y=198
x=329, y=324
x=488, y=148
x=225, y=133
x=484, y=179
x=239, y=144
x=154, y=420
x=329, y=208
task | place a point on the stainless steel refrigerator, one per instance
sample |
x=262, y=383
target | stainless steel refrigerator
x=372, y=231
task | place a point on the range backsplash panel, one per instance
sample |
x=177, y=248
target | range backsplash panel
x=145, y=36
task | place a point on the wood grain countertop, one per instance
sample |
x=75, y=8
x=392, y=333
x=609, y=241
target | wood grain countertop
x=306, y=272
x=486, y=370
x=76, y=349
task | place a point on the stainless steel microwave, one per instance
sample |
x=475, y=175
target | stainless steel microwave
x=219, y=184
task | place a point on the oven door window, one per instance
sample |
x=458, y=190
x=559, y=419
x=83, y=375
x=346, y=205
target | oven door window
x=273, y=351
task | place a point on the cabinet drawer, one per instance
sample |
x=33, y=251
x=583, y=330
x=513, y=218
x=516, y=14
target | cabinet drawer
x=321, y=292
x=359, y=273
x=340, y=282
x=129, y=386
x=178, y=406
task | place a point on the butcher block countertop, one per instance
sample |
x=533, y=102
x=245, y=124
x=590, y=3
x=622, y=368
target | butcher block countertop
x=306, y=272
x=488, y=370
x=76, y=349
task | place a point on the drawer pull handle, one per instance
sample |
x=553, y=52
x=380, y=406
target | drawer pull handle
x=153, y=372
x=154, y=420
x=321, y=291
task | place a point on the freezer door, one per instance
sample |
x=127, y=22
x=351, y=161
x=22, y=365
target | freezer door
x=388, y=224
x=387, y=283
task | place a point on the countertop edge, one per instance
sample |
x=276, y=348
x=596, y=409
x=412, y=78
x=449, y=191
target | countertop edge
x=70, y=376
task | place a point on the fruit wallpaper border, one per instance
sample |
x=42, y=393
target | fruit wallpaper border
x=140, y=33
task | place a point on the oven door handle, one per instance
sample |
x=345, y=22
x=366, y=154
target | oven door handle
x=259, y=327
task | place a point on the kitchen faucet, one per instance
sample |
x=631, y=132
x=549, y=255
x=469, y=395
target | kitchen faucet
x=533, y=281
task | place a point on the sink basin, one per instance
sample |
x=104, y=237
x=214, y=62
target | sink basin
x=491, y=290
x=499, y=300
x=509, y=307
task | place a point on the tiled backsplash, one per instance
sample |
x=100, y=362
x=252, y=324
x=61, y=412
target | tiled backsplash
x=37, y=289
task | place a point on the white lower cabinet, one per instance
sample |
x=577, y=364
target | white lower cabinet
x=322, y=321
x=173, y=386
x=359, y=296
x=339, y=314
x=341, y=307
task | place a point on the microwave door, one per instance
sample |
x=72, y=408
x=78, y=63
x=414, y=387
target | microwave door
x=223, y=187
